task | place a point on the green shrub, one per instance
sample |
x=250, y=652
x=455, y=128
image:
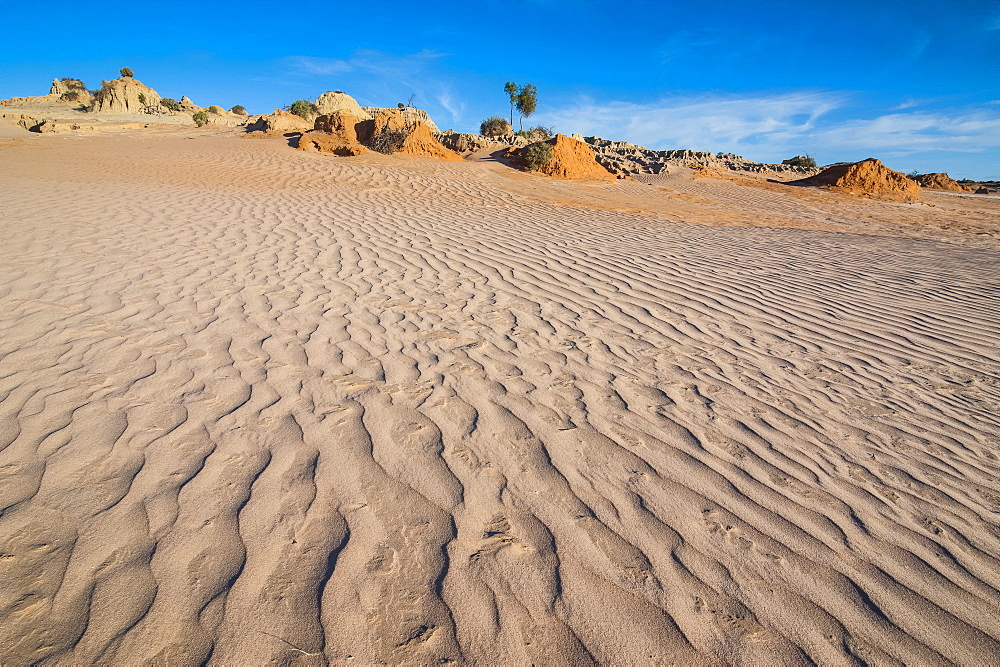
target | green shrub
x=170, y=104
x=238, y=110
x=494, y=126
x=303, y=109
x=200, y=118
x=126, y=72
x=537, y=155
x=217, y=110
x=76, y=90
x=801, y=161
x=142, y=99
x=537, y=133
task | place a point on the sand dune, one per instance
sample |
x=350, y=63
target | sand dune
x=260, y=405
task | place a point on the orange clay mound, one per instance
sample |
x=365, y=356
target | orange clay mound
x=418, y=141
x=869, y=178
x=574, y=159
x=421, y=142
x=385, y=120
x=333, y=133
x=940, y=181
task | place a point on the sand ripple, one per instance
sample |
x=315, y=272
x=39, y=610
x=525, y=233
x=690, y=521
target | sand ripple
x=265, y=405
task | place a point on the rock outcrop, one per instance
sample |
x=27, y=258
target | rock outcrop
x=279, y=122
x=572, y=159
x=63, y=91
x=623, y=158
x=982, y=190
x=333, y=101
x=383, y=122
x=73, y=91
x=410, y=115
x=869, y=178
x=124, y=95
x=187, y=106
x=334, y=133
x=467, y=143
x=342, y=133
x=940, y=181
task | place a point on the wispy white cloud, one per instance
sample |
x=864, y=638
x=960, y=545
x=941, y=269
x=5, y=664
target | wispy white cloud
x=968, y=131
x=379, y=78
x=768, y=127
x=369, y=61
x=705, y=121
x=453, y=106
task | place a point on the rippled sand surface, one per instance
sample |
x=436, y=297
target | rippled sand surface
x=261, y=405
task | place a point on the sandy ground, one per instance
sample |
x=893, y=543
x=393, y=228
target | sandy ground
x=263, y=405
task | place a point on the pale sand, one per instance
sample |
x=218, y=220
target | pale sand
x=260, y=405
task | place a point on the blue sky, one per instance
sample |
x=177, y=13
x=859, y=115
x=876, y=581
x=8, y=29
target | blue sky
x=915, y=83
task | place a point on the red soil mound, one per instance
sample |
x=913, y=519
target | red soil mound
x=419, y=141
x=940, y=181
x=869, y=178
x=333, y=133
x=570, y=159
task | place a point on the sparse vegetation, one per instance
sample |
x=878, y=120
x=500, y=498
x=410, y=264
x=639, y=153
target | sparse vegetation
x=238, y=110
x=170, y=104
x=913, y=175
x=511, y=89
x=400, y=105
x=537, y=155
x=200, y=118
x=76, y=90
x=389, y=141
x=523, y=98
x=537, y=133
x=806, y=161
x=303, y=109
x=527, y=102
x=217, y=110
x=126, y=72
x=494, y=126
x=142, y=99
x=98, y=96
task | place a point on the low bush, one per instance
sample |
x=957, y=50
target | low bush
x=807, y=161
x=200, y=118
x=303, y=109
x=537, y=133
x=238, y=110
x=494, y=126
x=170, y=104
x=537, y=155
x=217, y=110
x=126, y=72
x=389, y=141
